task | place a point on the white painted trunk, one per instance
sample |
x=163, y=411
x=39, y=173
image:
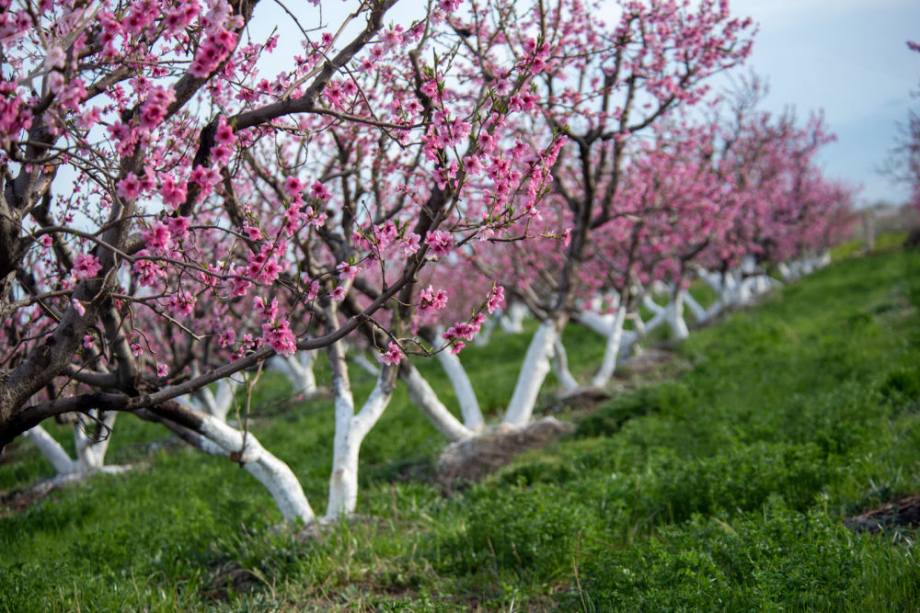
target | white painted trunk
x=512, y=321
x=679, y=329
x=533, y=373
x=350, y=431
x=277, y=477
x=560, y=363
x=652, y=306
x=91, y=452
x=422, y=396
x=699, y=313
x=366, y=365
x=301, y=366
x=485, y=333
x=611, y=351
x=785, y=272
x=51, y=450
x=602, y=324
x=463, y=389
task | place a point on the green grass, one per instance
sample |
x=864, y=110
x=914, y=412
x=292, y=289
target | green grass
x=721, y=489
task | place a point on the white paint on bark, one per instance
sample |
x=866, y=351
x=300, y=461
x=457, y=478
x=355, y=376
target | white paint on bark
x=277, y=477
x=675, y=308
x=463, y=389
x=561, y=367
x=533, y=373
x=423, y=396
x=611, y=351
x=350, y=431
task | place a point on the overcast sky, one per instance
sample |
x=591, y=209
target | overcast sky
x=850, y=58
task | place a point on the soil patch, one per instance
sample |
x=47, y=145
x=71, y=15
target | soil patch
x=473, y=459
x=903, y=513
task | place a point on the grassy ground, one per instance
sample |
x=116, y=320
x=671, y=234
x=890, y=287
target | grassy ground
x=723, y=488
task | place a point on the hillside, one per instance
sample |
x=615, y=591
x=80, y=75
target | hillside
x=721, y=481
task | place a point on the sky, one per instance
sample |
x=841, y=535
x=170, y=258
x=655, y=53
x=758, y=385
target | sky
x=849, y=58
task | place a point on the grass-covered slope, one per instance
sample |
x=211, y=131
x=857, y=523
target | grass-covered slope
x=722, y=489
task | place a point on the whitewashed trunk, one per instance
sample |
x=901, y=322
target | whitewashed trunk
x=485, y=333
x=785, y=272
x=560, y=362
x=463, y=389
x=512, y=321
x=364, y=364
x=218, y=405
x=679, y=329
x=91, y=452
x=277, y=477
x=699, y=313
x=611, y=351
x=423, y=396
x=53, y=451
x=602, y=324
x=533, y=373
x=350, y=431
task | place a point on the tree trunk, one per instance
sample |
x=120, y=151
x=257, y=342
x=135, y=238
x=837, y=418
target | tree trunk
x=421, y=394
x=533, y=373
x=611, y=350
x=218, y=438
x=350, y=431
x=512, y=321
x=463, y=389
x=679, y=330
x=561, y=367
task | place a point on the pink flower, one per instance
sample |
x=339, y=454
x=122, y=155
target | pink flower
x=181, y=303
x=346, y=271
x=173, y=192
x=410, y=244
x=129, y=188
x=178, y=226
x=280, y=337
x=319, y=191
x=293, y=186
x=87, y=341
x=162, y=370
x=439, y=242
x=338, y=294
x=86, y=266
x=392, y=356
x=158, y=237
x=226, y=338
x=496, y=299
x=431, y=300
x=78, y=307
x=55, y=58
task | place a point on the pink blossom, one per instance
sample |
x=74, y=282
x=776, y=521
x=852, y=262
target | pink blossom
x=496, y=299
x=88, y=341
x=440, y=242
x=162, y=370
x=181, y=303
x=293, y=186
x=392, y=356
x=78, y=307
x=158, y=237
x=86, y=266
x=129, y=188
x=280, y=337
x=431, y=300
x=319, y=191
